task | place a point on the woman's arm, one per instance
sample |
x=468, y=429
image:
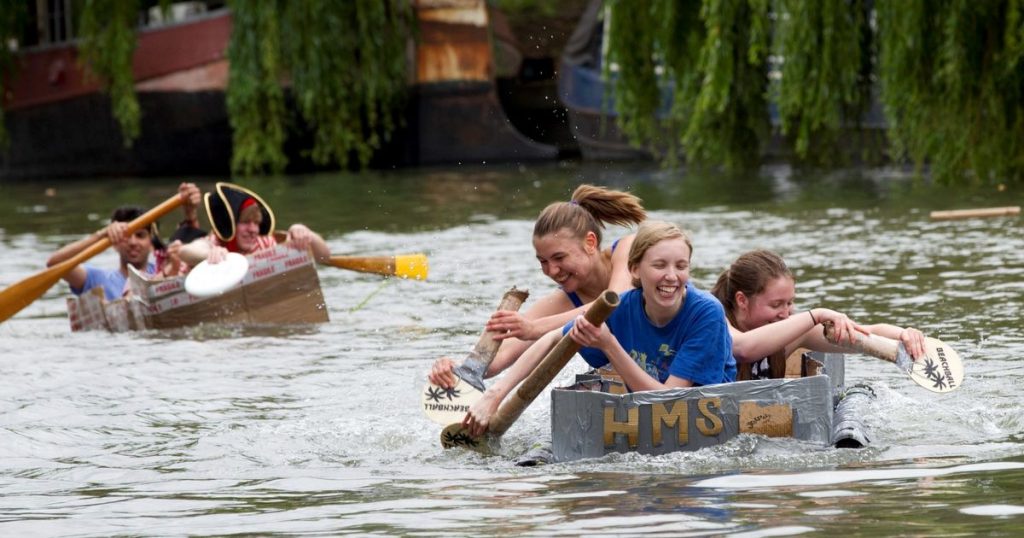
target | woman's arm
x=798, y=330
x=479, y=415
x=586, y=334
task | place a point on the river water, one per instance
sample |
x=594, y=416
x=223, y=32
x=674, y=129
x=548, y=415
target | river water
x=317, y=430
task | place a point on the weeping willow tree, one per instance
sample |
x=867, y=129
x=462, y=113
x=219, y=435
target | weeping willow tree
x=952, y=72
x=345, y=61
x=949, y=74
x=107, y=30
x=340, y=64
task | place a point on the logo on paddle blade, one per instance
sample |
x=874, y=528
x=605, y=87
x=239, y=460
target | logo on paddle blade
x=457, y=438
x=437, y=394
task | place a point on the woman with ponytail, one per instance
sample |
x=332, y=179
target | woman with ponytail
x=757, y=292
x=567, y=239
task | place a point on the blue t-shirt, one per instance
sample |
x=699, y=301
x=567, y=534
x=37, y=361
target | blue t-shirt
x=111, y=280
x=695, y=345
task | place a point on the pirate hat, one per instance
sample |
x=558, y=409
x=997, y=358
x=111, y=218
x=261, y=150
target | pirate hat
x=224, y=206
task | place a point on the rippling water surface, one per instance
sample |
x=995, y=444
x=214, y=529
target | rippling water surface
x=316, y=430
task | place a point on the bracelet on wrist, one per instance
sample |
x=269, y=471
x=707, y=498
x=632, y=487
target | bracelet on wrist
x=811, y=313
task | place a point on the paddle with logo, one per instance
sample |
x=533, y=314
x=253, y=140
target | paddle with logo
x=21, y=294
x=445, y=406
x=940, y=370
x=456, y=435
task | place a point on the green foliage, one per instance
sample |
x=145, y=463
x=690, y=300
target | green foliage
x=255, y=99
x=823, y=82
x=345, y=60
x=953, y=86
x=107, y=34
x=950, y=74
x=714, y=56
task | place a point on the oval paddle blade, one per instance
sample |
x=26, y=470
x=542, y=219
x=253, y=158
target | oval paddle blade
x=455, y=435
x=208, y=280
x=448, y=406
x=941, y=369
x=413, y=266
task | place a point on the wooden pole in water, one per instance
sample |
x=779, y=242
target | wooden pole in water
x=981, y=212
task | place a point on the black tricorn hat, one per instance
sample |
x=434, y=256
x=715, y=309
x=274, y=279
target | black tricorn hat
x=224, y=206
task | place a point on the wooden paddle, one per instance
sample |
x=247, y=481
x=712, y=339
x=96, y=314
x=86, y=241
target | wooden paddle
x=457, y=435
x=940, y=370
x=445, y=406
x=21, y=294
x=413, y=266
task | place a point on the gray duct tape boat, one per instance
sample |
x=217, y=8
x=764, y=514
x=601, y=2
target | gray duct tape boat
x=281, y=286
x=597, y=416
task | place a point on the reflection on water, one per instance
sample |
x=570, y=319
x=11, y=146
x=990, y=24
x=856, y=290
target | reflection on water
x=315, y=429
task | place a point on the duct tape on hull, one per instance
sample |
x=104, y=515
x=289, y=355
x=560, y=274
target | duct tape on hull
x=590, y=424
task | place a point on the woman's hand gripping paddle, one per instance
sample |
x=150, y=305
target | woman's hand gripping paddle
x=940, y=370
x=445, y=406
x=23, y=293
x=457, y=435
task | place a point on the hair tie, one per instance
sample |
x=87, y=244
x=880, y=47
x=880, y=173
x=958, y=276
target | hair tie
x=573, y=202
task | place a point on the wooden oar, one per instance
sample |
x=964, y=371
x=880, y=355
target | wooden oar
x=457, y=435
x=445, y=406
x=21, y=294
x=413, y=266
x=940, y=370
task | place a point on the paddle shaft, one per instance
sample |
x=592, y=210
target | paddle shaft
x=21, y=294
x=549, y=367
x=475, y=366
x=871, y=344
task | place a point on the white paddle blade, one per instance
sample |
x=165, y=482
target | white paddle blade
x=941, y=370
x=448, y=406
x=208, y=280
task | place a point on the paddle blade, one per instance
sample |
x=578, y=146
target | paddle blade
x=940, y=370
x=21, y=294
x=447, y=406
x=405, y=266
x=412, y=266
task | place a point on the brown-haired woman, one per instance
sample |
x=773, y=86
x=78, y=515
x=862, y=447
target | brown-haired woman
x=567, y=240
x=757, y=292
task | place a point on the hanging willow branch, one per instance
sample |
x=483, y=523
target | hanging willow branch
x=953, y=86
x=108, y=39
x=345, y=60
x=824, y=85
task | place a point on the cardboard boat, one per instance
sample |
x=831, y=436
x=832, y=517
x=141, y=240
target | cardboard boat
x=282, y=286
x=596, y=416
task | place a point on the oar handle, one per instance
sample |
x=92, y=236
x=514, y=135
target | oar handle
x=142, y=221
x=473, y=368
x=871, y=344
x=545, y=372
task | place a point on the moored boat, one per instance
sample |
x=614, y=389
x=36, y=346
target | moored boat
x=281, y=286
x=596, y=416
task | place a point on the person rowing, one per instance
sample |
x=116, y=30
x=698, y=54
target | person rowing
x=567, y=240
x=758, y=292
x=665, y=332
x=132, y=249
x=243, y=222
